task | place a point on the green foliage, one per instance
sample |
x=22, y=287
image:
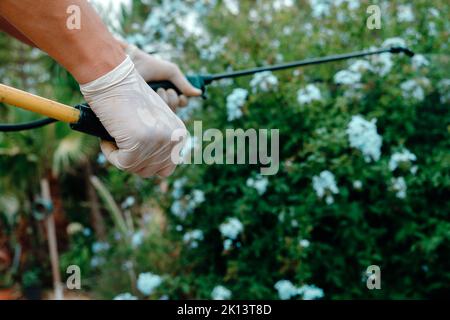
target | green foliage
x=289, y=231
x=31, y=279
x=365, y=225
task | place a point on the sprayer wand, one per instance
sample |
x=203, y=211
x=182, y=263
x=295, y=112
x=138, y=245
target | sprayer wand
x=201, y=81
x=83, y=119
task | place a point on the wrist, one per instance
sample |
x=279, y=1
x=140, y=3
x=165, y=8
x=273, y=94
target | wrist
x=94, y=62
x=109, y=80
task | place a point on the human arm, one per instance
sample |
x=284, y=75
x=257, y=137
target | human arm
x=138, y=119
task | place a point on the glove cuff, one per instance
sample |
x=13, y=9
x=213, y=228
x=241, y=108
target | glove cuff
x=110, y=79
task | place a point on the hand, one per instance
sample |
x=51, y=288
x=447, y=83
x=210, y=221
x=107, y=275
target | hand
x=154, y=69
x=137, y=118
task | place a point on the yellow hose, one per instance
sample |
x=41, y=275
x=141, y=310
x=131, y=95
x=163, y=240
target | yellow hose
x=43, y=106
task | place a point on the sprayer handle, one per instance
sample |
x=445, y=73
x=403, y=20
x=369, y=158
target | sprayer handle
x=196, y=81
x=90, y=124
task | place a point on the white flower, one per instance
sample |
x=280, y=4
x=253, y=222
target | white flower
x=355, y=92
x=325, y=184
x=419, y=61
x=347, y=77
x=125, y=296
x=178, y=186
x=253, y=15
x=434, y=12
x=210, y=51
x=308, y=94
x=357, y=184
x=97, y=261
x=310, y=292
x=220, y=293
x=382, y=63
x=360, y=66
x=148, y=282
x=178, y=209
x=127, y=265
x=405, y=13
x=137, y=239
x=198, y=196
x=161, y=23
x=227, y=244
x=286, y=290
x=394, y=42
x=74, y=227
x=304, y=243
x=87, y=232
x=275, y=44
x=101, y=159
x=192, y=237
x=444, y=88
x=352, y=4
x=413, y=88
x=231, y=229
x=432, y=29
x=404, y=156
x=329, y=199
x=193, y=200
x=100, y=246
x=260, y=183
x=287, y=30
x=363, y=136
x=320, y=8
x=263, y=81
x=182, y=207
x=235, y=101
x=399, y=186
x=129, y=202
x=282, y=4
x=232, y=6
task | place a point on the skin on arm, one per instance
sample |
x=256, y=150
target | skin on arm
x=87, y=53
x=11, y=30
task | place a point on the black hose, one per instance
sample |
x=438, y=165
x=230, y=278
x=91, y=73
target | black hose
x=26, y=126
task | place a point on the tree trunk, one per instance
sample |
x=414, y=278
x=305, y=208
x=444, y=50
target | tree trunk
x=96, y=215
x=58, y=211
x=52, y=242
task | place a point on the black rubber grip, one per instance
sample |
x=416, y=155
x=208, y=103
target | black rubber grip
x=197, y=81
x=90, y=124
x=164, y=85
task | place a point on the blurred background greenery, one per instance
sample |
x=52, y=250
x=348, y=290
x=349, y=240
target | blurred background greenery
x=364, y=161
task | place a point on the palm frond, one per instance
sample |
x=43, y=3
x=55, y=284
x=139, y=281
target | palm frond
x=71, y=151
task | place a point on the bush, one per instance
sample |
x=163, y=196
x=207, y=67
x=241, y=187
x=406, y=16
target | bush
x=364, y=162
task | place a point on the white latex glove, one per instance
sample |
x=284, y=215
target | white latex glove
x=137, y=118
x=154, y=69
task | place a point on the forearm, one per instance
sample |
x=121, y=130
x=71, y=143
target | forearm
x=88, y=52
x=12, y=31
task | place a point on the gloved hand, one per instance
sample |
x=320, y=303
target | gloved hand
x=137, y=118
x=154, y=69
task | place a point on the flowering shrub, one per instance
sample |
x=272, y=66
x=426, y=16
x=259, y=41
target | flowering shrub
x=235, y=101
x=148, y=282
x=364, y=173
x=220, y=293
